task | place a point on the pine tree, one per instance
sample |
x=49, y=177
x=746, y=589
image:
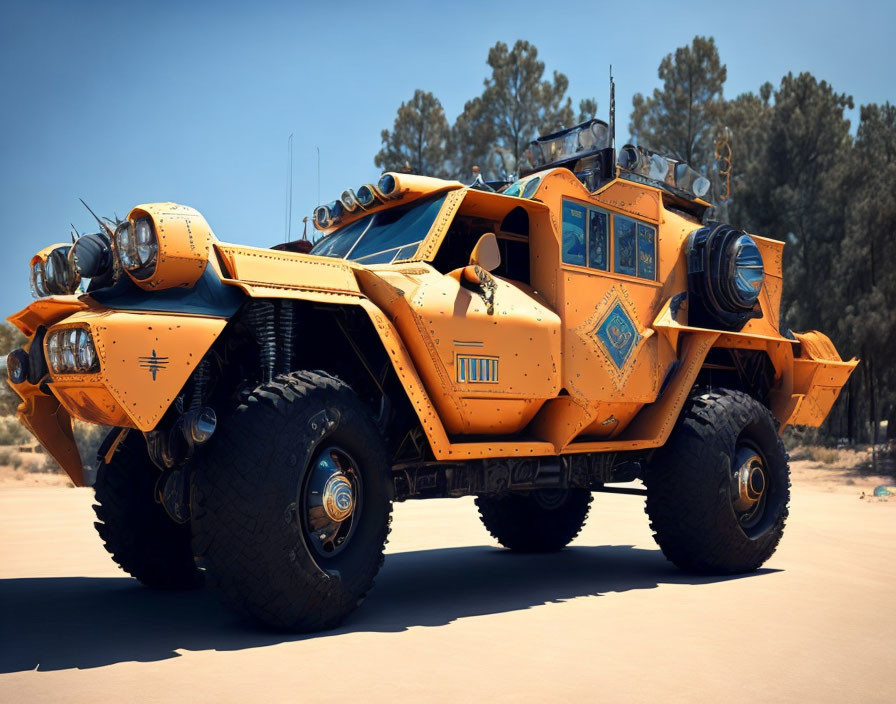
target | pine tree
x=681, y=119
x=864, y=280
x=518, y=104
x=419, y=138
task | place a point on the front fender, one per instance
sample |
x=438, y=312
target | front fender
x=145, y=360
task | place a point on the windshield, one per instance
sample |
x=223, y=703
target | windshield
x=382, y=237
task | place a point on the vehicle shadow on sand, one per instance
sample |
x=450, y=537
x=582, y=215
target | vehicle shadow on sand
x=83, y=622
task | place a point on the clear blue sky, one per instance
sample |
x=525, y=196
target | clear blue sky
x=122, y=103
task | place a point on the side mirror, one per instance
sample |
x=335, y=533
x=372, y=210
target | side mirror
x=486, y=253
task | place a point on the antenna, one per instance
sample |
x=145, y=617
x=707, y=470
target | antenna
x=612, y=125
x=318, y=175
x=287, y=227
x=106, y=228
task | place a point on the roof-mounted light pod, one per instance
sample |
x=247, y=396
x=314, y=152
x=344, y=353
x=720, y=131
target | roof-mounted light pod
x=658, y=168
x=367, y=196
x=349, y=201
x=388, y=186
x=52, y=272
x=322, y=216
x=163, y=245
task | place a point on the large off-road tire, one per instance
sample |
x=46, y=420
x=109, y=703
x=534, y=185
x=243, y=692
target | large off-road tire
x=545, y=520
x=258, y=494
x=134, y=526
x=717, y=492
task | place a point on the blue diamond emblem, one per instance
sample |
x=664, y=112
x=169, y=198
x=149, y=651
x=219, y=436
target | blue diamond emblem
x=618, y=335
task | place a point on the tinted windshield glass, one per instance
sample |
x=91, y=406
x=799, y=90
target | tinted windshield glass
x=381, y=237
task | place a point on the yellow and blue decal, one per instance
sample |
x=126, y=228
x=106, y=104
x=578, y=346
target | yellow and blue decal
x=617, y=335
x=477, y=370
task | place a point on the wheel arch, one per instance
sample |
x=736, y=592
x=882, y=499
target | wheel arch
x=351, y=338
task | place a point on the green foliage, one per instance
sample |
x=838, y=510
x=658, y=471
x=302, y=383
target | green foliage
x=863, y=271
x=517, y=105
x=418, y=142
x=12, y=432
x=10, y=457
x=798, y=175
x=587, y=110
x=681, y=118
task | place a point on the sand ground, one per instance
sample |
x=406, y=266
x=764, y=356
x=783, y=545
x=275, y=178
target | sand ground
x=453, y=618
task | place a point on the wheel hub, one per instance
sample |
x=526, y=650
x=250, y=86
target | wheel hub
x=749, y=478
x=338, y=497
x=331, y=501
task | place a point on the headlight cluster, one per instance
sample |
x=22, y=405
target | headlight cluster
x=71, y=351
x=137, y=247
x=54, y=274
x=366, y=197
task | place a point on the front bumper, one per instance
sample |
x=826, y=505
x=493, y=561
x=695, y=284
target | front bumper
x=145, y=359
x=819, y=374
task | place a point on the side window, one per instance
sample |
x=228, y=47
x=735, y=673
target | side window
x=598, y=239
x=624, y=236
x=573, y=233
x=646, y=252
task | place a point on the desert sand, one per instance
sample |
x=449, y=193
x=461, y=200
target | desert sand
x=455, y=618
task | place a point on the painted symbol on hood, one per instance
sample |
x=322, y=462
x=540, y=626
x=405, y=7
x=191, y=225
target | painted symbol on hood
x=618, y=335
x=154, y=363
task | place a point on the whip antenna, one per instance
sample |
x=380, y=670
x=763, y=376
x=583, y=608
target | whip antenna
x=612, y=129
x=287, y=226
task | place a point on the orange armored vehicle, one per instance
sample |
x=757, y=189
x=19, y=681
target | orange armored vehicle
x=582, y=328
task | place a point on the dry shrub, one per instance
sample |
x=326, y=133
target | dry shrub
x=10, y=457
x=824, y=455
x=12, y=432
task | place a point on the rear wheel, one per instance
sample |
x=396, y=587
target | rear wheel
x=135, y=528
x=291, y=503
x=545, y=520
x=717, y=492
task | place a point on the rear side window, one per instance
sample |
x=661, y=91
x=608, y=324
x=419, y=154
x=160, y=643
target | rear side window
x=598, y=239
x=646, y=252
x=625, y=243
x=589, y=232
x=574, y=221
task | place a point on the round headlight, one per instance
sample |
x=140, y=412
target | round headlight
x=86, y=351
x=54, y=351
x=349, y=201
x=60, y=275
x=725, y=275
x=38, y=280
x=69, y=349
x=322, y=216
x=366, y=196
x=50, y=270
x=701, y=186
x=749, y=273
x=137, y=247
x=17, y=366
x=387, y=185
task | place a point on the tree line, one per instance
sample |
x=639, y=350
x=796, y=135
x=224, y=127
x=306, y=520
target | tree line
x=798, y=173
x=517, y=103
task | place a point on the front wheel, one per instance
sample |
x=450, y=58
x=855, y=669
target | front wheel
x=291, y=506
x=717, y=492
x=138, y=533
